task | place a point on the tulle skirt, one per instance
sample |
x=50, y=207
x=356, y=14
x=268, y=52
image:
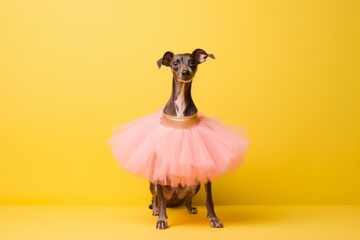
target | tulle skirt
x=170, y=156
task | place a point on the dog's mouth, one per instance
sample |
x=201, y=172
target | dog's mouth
x=185, y=80
x=185, y=77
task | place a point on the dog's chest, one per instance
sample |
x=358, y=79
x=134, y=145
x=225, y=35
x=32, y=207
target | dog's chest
x=180, y=104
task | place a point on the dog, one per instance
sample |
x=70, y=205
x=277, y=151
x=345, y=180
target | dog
x=181, y=104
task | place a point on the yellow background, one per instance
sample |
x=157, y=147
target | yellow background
x=287, y=71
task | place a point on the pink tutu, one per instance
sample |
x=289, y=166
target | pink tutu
x=171, y=156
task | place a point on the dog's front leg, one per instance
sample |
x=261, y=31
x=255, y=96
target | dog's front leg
x=162, y=221
x=214, y=221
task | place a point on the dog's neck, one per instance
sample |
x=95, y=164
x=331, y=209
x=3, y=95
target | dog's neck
x=180, y=103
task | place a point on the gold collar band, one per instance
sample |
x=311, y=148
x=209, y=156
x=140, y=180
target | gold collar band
x=186, y=122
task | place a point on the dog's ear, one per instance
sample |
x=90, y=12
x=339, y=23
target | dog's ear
x=200, y=55
x=166, y=59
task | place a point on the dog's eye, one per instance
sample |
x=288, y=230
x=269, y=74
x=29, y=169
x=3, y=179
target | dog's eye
x=192, y=62
x=175, y=64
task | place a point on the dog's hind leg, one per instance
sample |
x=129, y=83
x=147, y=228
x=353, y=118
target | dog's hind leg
x=214, y=221
x=154, y=205
x=188, y=204
x=154, y=200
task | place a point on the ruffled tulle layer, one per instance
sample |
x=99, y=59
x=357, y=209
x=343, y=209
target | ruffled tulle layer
x=171, y=156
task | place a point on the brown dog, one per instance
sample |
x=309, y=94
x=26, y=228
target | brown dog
x=180, y=104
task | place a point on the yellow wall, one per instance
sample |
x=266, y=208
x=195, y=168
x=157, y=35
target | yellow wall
x=288, y=71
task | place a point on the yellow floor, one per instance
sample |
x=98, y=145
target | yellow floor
x=241, y=222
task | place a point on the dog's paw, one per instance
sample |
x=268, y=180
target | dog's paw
x=193, y=210
x=162, y=224
x=155, y=212
x=216, y=223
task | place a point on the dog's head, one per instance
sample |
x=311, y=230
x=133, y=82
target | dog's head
x=184, y=66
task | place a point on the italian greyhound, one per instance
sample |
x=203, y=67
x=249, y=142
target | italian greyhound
x=181, y=104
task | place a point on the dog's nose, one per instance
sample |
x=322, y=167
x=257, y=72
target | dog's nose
x=185, y=73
